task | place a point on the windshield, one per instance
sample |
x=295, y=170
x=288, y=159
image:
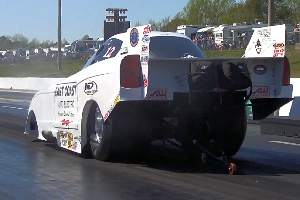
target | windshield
x=173, y=47
x=109, y=49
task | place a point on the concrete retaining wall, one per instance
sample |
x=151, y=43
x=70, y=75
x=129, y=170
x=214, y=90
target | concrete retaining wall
x=281, y=126
x=28, y=83
x=292, y=109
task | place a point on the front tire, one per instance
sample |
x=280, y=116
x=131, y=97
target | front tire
x=99, y=134
x=31, y=125
x=124, y=135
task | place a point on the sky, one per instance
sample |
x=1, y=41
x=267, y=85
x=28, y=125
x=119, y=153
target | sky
x=38, y=18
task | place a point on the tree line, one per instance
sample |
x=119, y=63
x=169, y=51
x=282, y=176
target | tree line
x=20, y=41
x=216, y=12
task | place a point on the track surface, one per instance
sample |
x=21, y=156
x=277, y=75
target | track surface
x=41, y=171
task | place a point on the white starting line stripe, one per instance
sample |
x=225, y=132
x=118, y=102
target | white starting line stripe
x=13, y=107
x=287, y=143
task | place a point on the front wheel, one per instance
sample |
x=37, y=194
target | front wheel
x=31, y=125
x=99, y=134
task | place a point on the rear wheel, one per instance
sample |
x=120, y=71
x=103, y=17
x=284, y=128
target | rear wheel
x=236, y=132
x=229, y=129
x=222, y=132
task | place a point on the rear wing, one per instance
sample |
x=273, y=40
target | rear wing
x=264, y=79
x=268, y=75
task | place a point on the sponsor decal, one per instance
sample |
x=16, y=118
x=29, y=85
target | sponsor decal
x=65, y=90
x=65, y=114
x=145, y=81
x=144, y=60
x=116, y=101
x=145, y=49
x=260, y=69
x=147, y=30
x=109, y=52
x=279, y=50
x=200, y=68
x=65, y=122
x=68, y=140
x=134, y=37
x=264, y=33
x=203, y=67
x=258, y=47
x=261, y=91
x=66, y=104
x=107, y=114
x=278, y=45
x=146, y=39
x=124, y=50
x=158, y=94
x=90, y=88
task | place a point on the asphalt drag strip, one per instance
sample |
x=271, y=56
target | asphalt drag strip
x=38, y=170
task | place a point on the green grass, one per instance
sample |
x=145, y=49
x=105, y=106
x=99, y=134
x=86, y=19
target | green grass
x=294, y=58
x=49, y=68
x=292, y=54
x=225, y=53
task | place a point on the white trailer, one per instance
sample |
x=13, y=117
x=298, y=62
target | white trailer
x=188, y=30
x=231, y=33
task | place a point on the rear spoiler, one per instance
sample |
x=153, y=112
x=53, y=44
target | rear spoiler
x=262, y=107
x=212, y=59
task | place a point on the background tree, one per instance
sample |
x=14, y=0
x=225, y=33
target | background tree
x=249, y=11
x=156, y=26
x=85, y=37
x=216, y=12
x=19, y=41
x=137, y=23
x=47, y=44
x=171, y=24
x=287, y=11
x=65, y=42
x=34, y=43
x=207, y=11
x=5, y=43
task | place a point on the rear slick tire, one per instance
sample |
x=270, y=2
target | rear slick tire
x=230, y=130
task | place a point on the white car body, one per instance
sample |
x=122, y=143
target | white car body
x=60, y=109
x=62, y=114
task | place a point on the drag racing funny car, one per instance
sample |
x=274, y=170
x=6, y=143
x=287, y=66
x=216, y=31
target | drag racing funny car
x=144, y=85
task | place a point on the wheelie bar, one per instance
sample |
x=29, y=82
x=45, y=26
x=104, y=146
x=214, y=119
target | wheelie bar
x=229, y=166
